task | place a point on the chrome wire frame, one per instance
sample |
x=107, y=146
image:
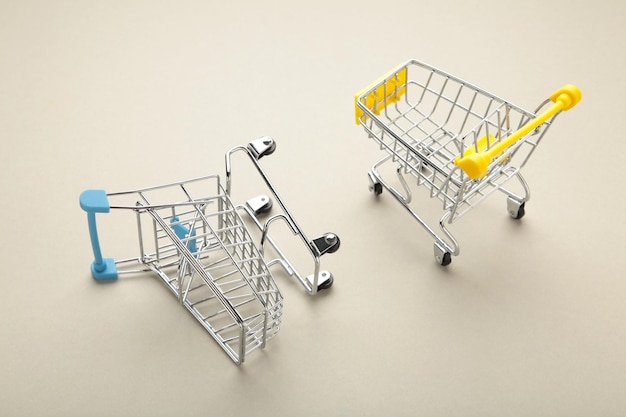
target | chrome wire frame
x=215, y=270
x=311, y=283
x=424, y=119
x=193, y=237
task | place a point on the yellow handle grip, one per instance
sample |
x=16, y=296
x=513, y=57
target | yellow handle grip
x=476, y=164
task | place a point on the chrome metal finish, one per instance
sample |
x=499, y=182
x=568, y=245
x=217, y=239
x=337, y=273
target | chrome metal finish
x=286, y=216
x=324, y=280
x=514, y=206
x=442, y=255
x=193, y=237
x=328, y=243
x=424, y=119
x=262, y=147
x=259, y=204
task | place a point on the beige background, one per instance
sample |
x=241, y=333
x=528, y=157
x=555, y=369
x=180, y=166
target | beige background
x=530, y=319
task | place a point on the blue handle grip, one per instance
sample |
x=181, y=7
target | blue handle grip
x=96, y=201
x=183, y=234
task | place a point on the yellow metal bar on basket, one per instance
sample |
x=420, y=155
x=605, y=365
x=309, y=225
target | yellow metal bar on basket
x=476, y=164
x=391, y=88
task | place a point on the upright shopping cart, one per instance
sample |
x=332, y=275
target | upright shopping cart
x=198, y=242
x=455, y=140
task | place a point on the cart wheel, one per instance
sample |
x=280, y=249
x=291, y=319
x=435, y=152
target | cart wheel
x=444, y=260
x=519, y=213
x=326, y=284
x=327, y=243
x=333, y=239
x=262, y=147
x=376, y=188
x=260, y=204
x=325, y=280
x=375, y=185
x=442, y=256
x=515, y=208
x=265, y=208
x=270, y=149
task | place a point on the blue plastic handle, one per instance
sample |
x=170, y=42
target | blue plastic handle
x=96, y=201
x=183, y=234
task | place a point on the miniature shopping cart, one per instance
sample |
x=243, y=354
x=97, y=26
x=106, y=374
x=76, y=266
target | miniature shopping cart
x=193, y=237
x=453, y=139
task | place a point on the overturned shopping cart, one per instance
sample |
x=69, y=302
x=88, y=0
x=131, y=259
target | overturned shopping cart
x=455, y=140
x=192, y=236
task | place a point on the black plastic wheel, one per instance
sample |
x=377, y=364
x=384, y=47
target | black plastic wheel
x=446, y=260
x=270, y=150
x=335, y=247
x=378, y=188
x=326, y=284
x=520, y=213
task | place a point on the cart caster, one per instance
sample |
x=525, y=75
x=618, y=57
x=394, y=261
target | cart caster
x=328, y=243
x=325, y=280
x=443, y=257
x=326, y=284
x=375, y=186
x=259, y=205
x=515, y=208
x=262, y=147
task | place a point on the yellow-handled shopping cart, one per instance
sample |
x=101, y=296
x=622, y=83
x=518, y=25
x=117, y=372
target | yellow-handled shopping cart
x=458, y=141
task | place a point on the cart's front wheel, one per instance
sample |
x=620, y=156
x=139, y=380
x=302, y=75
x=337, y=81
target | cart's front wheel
x=271, y=147
x=376, y=188
x=324, y=280
x=262, y=147
x=266, y=207
x=516, y=208
x=259, y=205
x=445, y=259
x=375, y=185
x=326, y=284
x=442, y=256
x=332, y=240
x=328, y=243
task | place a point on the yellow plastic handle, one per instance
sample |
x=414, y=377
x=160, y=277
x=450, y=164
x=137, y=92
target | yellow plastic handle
x=476, y=164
